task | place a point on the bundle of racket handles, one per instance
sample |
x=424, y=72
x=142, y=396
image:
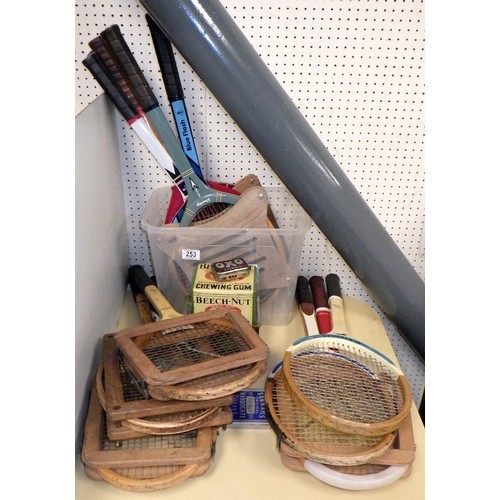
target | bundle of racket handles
x=111, y=62
x=340, y=409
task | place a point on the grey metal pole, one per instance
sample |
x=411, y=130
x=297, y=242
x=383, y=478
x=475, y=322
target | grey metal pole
x=214, y=46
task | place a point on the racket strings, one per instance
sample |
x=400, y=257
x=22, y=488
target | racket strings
x=148, y=472
x=210, y=213
x=169, y=349
x=347, y=384
x=308, y=430
x=130, y=385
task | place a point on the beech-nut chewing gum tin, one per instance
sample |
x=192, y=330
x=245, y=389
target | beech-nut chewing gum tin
x=230, y=269
x=241, y=294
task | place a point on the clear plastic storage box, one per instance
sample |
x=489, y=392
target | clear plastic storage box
x=176, y=251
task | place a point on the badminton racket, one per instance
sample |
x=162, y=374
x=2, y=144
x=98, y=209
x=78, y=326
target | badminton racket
x=336, y=304
x=310, y=438
x=322, y=311
x=361, y=390
x=202, y=202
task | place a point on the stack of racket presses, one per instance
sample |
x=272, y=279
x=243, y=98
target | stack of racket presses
x=339, y=408
x=163, y=391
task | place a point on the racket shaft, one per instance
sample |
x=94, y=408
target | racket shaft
x=156, y=148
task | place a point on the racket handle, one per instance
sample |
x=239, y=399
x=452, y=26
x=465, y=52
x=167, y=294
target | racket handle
x=143, y=305
x=137, y=275
x=306, y=305
x=304, y=296
x=323, y=316
x=100, y=47
x=96, y=68
x=124, y=57
x=336, y=304
x=166, y=60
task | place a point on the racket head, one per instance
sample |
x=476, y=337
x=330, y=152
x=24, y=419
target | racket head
x=361, y=390
x=193, y=447
x=310, y=438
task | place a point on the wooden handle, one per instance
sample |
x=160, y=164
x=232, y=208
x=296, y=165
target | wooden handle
x=137, y=275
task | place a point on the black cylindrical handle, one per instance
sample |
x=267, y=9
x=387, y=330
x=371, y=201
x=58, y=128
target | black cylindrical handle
x=124, y=57
x=333, y=285
x=303, y=292
x=96, y=67
x=138, y=277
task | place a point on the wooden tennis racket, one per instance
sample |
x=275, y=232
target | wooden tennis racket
x=305, y=303
x=336, y=304
x=239, y=346
x=130, y=415
x=188, y=347
x=362, y=391
x=203, y=203
x=310, y=438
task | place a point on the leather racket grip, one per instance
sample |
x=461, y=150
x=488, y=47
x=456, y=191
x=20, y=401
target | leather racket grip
x=166, y=61
x=317, y=284
x=116, y=74
x=333, y=285
x=96, y=67
x=139, y=279
x=124, y=57
x=304, y=296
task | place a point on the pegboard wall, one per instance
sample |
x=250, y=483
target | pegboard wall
x=355, y=70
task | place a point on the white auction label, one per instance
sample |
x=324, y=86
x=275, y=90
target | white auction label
x=188, y=254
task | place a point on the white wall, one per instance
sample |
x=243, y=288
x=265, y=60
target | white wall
x=101, y=255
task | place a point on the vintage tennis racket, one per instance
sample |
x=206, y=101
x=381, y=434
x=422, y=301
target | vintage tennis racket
x=351, y=477
x=107, y=74
x=212, y=386
x=309, y=437
x=188, y=347
x=305, y=303
x=175, y=94
x=245, y=350
x=123, y=399
x=361, y=390
x=203, y=202
x=336, y=304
